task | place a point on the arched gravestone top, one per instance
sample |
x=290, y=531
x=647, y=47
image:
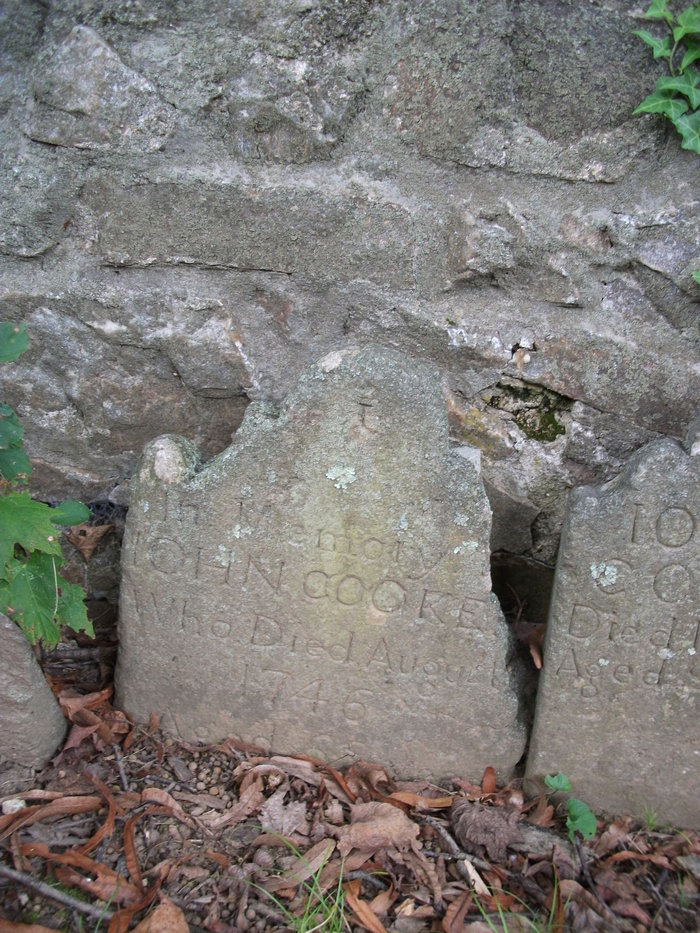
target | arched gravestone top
x=323, y=585
x=617, y=707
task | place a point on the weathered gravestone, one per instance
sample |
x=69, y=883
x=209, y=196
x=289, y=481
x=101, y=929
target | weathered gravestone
x=32, y=725
x=617, y=707
x=323, y=585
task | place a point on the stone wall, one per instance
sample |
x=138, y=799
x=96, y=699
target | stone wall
x=201, y=197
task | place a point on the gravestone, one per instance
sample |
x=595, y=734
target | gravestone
x=323, y=585
x=32, y=725
x=617, y=706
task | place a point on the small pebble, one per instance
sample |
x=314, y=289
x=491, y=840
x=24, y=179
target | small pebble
x=214, y=790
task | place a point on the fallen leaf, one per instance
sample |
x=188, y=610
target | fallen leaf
x=375, y=826
x=453, y=921
x=166, y=918
x=98, y=879
x=276, y=816
x=488, y=781
x=475, y=879
x=362, y=910
x=493, y=828
x=304, y=866
x=85, y=538
x=419, y=802
x=65, y=806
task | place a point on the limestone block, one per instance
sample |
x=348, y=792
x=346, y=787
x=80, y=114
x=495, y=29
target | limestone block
x=280, y=229
x=617, y=708
x=323, y=586
x=86, y=98
x=31, y=723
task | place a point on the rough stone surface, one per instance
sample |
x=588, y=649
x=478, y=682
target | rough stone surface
x=323, y=585
x=617, y=707
x=31, y=723
x=230, y=191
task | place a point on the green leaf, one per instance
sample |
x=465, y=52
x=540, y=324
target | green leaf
x=688, y=125
x=692, y=53
x=558, y=782
x=14, y=464
x=662, y=102
x=27, y=523
x=11, y=431
x=37, y=597
x=696, y=276
x=71, y=607
x=685, y=84
x=70, y=512
x=659, y=10
x=660, y=47
x=688, y=23
x=580, y=818
x=14, y=340
x=31, y=598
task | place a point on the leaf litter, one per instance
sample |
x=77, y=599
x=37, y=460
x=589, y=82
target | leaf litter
x=131, y=830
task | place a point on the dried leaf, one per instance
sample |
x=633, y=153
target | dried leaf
x=64, y=806
x=375, y=826
x=285, y=819
x=493, y=828
x=626, y=856
x=304, y=867
x=248, y=803
x=98, y=879
x=362, y=910
x=455, y=915
x=614, y=836
x=418, y=802
x=71, y=704
x=85, y=538
x=166, y=918
x=164, y=799
x=475, y=879
x=488, y=781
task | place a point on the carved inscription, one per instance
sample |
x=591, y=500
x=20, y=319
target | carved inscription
x=329, y=575
x=606, y=641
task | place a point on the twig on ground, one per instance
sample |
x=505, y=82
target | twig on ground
x=120, y=764
x=45, y=890
x=607, y=912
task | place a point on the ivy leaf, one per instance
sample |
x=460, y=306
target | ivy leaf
x=14, y=464
x=14, y=340
x=27, y=523
x=580, y=818
x=30, y=598
x=688, y=125
x=688, y=23
x=558, y=782
x=662, y=102
x=70, y=512
x=685, y=84
x=659, y=10
x=39, y=600
x=692, y=53
x=11, y=431
x=71, y=607
x=660, y=47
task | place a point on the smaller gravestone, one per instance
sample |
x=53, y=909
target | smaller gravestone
x=323, y=585
x=31, y=723
x=617, y=707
